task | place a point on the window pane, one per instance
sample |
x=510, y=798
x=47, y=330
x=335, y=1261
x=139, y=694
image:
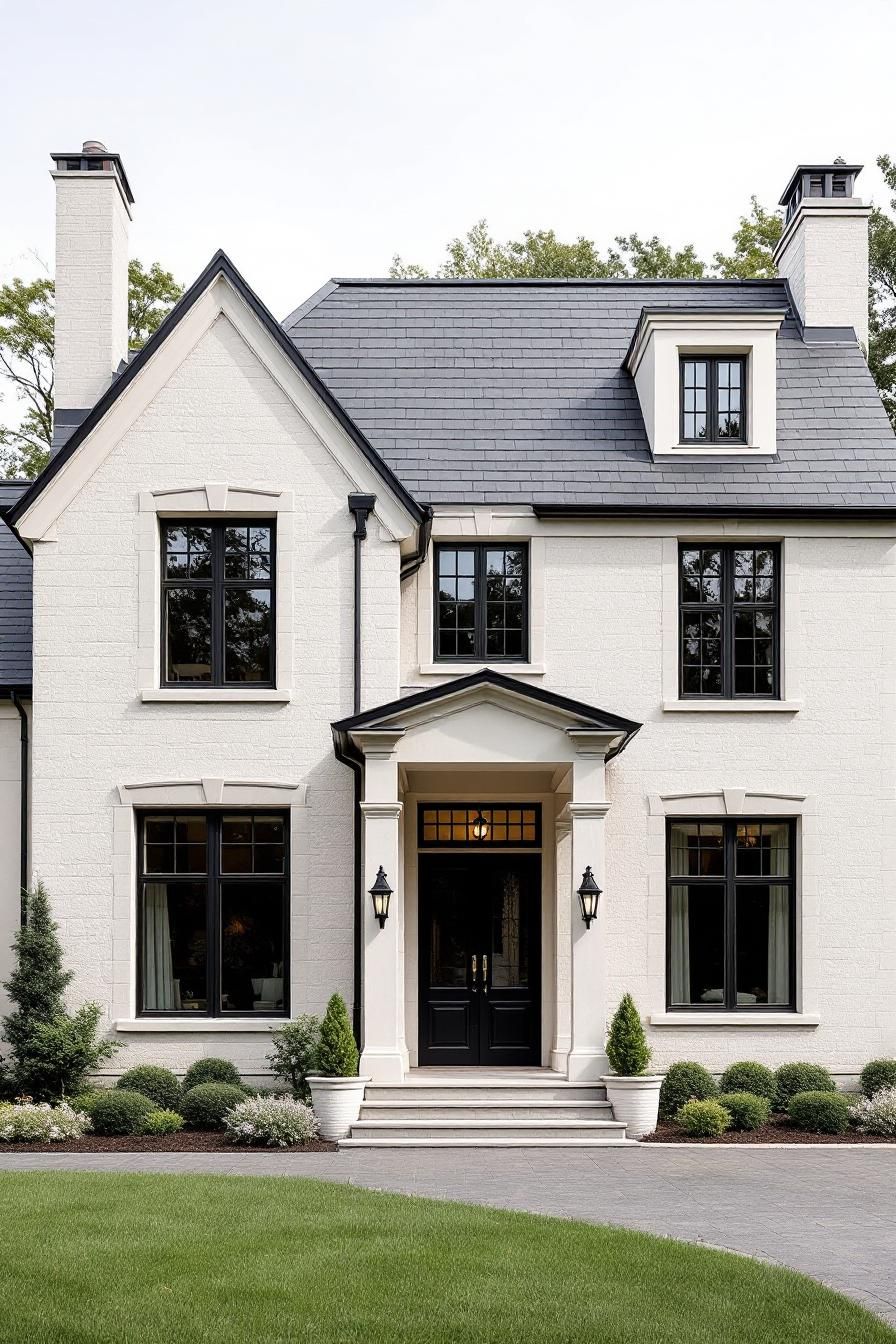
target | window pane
x=697, y=943
x=247, y=634
x=763, y=849
x=174, y=965
x=252, y=947
x=188, y=634
x=763, y=944
x=697, y=849
x=253, y=844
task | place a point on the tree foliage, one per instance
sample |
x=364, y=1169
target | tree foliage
x=755, y=240
x=882, y=259
x=27, y=311
x=337, y=1053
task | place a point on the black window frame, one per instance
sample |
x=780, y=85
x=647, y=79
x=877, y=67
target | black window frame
x=486, y=810
x=218, y=585
x=713, y=439
x=728, y=608
x=731, y=881
x=213, y=879
x=480, y=550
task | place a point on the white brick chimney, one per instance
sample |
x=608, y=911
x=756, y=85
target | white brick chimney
x=93, y=203
x=823, y=251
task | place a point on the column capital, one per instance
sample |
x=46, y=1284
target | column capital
x=378, y=744
x=386, y=811
x=576, y=811
x=593, y=743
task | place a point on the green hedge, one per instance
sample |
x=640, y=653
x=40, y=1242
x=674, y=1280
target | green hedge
x=211, y=1070
x=118, y=1111
x=703, y=1119
x=205, y=1106
x=793, y=1078
x=160, y=1085
x=820, y=1112
x=684, y=1081
x=748, y=1076
x=747, y=1111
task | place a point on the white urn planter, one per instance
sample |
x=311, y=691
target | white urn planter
x=635, y=1101
x=336, y=1103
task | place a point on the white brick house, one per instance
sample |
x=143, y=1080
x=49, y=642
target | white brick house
x=483, y=584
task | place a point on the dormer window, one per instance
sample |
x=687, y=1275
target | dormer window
x=713, y=398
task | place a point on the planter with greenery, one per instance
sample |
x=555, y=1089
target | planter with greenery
x=633, y=1092
x=336, y=1089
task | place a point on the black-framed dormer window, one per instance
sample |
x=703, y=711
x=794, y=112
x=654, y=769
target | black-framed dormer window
x=729, y=617
x=731, y=915
x=213, y=914
x=218, y=603
x=481, y=602
x=713, y=391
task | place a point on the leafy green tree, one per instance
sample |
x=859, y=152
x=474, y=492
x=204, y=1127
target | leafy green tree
x=755, y=240
x=882, y=329
x=26, y=354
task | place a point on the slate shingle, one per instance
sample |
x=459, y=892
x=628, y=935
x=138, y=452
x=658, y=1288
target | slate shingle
x=15, y=599
x=504, y=393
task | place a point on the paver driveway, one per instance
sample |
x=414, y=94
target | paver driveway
x=829, y=1212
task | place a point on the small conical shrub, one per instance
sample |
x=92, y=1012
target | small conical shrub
x=337, y=1055
x=38, y=982
x=627, y=1048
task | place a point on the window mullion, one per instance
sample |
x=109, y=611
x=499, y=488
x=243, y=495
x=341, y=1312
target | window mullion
x=730, y=995
x=727, y=623
x=218, y=602
x=213, y=915
x=479, y=601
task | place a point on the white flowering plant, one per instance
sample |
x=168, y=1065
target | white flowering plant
x=26, y=1121
x=877, y=1114
x=276, y=1122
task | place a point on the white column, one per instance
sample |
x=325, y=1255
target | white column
x=384, y=1057
x=587, y=812
x=562, y=870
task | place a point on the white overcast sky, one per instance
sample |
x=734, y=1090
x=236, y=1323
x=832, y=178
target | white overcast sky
x=316, y=139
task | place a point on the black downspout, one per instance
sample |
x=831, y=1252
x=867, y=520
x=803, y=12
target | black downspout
x=23, y=810
x=360, y=506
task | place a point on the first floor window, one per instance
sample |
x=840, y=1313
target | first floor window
x=213, y=913
x=730, y=914
x=218, y=603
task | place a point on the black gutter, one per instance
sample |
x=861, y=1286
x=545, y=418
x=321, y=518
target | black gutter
x=832, y=512
x=414, y=559
x=360, y=507
x=23, y=810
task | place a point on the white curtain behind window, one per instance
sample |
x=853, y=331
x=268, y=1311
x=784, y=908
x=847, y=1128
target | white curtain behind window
x=779, y=926
x=159, y=990
x=681, y=946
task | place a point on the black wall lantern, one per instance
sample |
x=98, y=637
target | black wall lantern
x=589, y=895
x=381, y=891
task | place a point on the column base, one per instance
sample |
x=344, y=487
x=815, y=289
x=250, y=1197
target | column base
x=586, y=1066
x=383, y=1066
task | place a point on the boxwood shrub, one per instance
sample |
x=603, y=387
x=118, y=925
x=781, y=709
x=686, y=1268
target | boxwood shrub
x=746, y=1109
x=703, y=1119
x=160, y=1085
x=749, y=1077
x=211, y=1070
x=684, y=1081
x=820, y=1112
x=880, y=1073
x=793, y=1078
x=205, y=1106
x=163, y=1121
x=118, y=1111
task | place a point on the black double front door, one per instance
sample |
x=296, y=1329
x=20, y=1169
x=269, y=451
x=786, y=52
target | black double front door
x=480, y=959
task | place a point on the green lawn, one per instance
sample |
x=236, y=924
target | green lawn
x=195, y=1258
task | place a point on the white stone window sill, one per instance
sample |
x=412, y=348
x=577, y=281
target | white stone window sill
x=215, y=695
x=732, y=706
x=448, y=669
x=697, y=450
x=754, y=1020
x=213, y=1024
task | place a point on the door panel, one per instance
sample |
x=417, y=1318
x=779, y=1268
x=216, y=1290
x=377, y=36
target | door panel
x=480, y=959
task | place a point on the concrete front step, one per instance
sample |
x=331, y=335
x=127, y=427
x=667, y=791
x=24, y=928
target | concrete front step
x=517, y=1142
x=467, y=1091
x=472, y=1108
x=484, y=1133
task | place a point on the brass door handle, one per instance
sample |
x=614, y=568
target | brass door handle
x=474, y=964
x=484, y=973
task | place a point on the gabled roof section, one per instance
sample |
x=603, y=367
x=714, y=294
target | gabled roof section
x=500, y=392
x=394, y=712
x=15, y=599
x=220, y=265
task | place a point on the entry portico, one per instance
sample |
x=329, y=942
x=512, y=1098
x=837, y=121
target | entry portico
x=492, y=962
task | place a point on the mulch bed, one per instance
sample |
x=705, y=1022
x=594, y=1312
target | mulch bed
x=188, y=1141
x=777, y=1130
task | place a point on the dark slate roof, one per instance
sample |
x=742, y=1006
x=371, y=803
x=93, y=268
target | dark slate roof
x=15, y=599
x=515, y=392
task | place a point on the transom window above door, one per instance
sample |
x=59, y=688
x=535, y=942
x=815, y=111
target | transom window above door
x=729, y=600
x=218, y=603
x=487, y=825
x=481, y=602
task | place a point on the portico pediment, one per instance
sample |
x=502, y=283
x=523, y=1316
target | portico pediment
x=486, y=718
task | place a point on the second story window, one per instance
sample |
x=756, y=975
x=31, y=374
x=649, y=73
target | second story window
x=481, y=602
x=713, y=399
x=218, y=603
x=729, y=620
